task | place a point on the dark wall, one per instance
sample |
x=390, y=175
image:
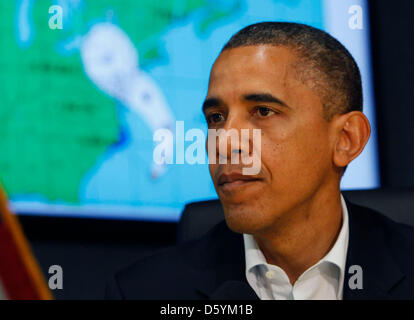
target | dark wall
x=392, y=31
x=91, y=250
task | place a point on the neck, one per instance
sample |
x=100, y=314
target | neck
x=306, y=236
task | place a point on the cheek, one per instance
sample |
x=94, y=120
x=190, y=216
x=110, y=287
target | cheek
x=295, y=158
x=213, y=169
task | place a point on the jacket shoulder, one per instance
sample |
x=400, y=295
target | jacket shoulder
x=398, y=237
x=168, y=273
x=377, y=219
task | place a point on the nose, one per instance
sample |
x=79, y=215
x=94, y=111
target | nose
x=233, y=139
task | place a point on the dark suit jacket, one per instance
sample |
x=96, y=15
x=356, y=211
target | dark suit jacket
x=196, y=270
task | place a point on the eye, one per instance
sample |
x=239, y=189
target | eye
x=264, y=112
x=214, y=118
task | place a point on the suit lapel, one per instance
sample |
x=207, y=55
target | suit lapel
x=226, y=264
x=368, y=249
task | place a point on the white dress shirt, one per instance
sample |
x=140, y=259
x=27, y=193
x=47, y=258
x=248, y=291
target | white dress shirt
x=322, y=281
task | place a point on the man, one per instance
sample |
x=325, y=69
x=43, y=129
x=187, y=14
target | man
x=289, y=233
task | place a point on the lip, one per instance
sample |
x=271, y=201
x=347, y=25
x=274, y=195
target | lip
x=234, y=180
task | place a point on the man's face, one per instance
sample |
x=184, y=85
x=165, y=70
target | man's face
x=257, y=87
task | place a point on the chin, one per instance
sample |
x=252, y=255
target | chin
x=243, y=219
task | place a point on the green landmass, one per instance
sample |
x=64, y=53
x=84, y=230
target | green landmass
x=54, y=124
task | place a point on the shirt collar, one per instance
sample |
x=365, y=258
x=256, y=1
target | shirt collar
x=253, y=254
x=336, y=256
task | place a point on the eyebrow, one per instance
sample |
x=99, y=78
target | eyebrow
x=212, y=102
x=254, y=97
x=264, y=97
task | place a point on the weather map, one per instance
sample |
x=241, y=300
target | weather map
x=79, y=105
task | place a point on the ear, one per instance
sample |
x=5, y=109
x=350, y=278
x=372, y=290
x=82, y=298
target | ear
x=353, y=131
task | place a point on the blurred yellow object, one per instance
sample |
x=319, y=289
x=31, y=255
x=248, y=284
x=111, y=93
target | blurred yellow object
x=31, y=284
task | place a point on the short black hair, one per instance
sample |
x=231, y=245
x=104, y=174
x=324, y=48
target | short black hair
x=325, y=63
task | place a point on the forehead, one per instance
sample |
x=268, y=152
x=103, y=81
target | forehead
x=263, y=68
x=254, y=64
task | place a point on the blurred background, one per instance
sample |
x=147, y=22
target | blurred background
x=81, y=97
